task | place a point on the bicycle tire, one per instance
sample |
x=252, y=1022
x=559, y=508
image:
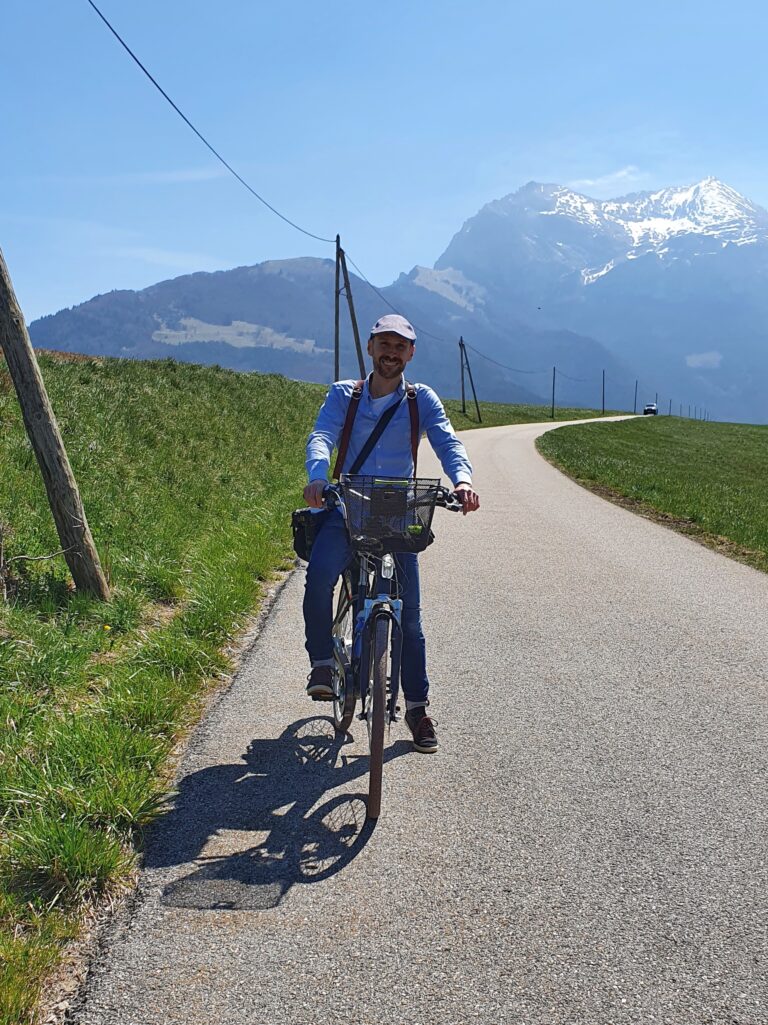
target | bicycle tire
x=377, y=705
x=344, y=685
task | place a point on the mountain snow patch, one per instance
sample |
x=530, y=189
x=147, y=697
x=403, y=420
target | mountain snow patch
x=588, y=276
x=239, y=334
x=452, y=285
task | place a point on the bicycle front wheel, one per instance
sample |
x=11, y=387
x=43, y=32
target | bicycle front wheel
x=377, y=704
x=344, y=684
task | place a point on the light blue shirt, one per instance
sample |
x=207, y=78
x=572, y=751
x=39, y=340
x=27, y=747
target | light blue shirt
x=391, y=456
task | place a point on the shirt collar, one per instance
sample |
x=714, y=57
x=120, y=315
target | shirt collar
x=400, y=390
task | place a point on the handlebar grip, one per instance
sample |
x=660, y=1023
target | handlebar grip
x=330, y=496
x=449, y=500
x=453, y=503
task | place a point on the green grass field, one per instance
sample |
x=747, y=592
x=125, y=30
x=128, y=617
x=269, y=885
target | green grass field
x=188, y=475
x=497, y=414
x=709, y=480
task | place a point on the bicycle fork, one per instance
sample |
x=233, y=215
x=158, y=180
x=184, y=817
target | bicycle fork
x=381, y=603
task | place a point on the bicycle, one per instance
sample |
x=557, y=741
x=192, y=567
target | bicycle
x=383, y=516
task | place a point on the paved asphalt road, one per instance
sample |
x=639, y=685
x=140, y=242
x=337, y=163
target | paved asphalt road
x=588, y=847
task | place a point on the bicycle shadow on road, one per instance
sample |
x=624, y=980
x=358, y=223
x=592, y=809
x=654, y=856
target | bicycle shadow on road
x=253, y=829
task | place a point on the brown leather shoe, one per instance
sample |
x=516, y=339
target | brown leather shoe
x=422, y=729
x=320, y=683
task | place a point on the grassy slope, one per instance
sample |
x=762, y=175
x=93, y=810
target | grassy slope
x=188, y=475
x=709, y=480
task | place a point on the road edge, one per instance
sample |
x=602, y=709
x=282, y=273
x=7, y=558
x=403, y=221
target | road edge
x=64, y=992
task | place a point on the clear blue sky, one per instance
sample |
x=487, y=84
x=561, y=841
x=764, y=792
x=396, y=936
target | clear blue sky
x=390, y=123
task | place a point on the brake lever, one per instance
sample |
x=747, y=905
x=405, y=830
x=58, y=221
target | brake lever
x=453, y=503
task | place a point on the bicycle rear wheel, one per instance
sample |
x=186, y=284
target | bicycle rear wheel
x=377, y=704
x=344, y=684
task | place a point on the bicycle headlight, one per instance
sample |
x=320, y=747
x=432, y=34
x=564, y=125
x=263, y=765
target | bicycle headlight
x=387, y=566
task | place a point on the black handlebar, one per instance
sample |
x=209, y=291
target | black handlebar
x=444, y=497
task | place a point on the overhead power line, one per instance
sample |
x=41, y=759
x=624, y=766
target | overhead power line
x=513, y=370
x=580, y=380
x=287, y=220
x=394, y=309
x=201, y=137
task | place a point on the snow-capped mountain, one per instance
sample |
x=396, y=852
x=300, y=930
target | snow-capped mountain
x=593, y=236
x=710, y=208
x=673, y=281
x=649, y=219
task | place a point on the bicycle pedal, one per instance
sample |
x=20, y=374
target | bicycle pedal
x=363, y=717
x=321, y=697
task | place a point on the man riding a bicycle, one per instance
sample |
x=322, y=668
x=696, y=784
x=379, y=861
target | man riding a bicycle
x=391, y=346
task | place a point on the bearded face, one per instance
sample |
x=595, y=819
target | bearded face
x=390, y=353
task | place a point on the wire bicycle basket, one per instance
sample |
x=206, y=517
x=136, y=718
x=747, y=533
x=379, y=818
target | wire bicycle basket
x=389, y=514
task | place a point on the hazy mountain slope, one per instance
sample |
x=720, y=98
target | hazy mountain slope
x=278, y=316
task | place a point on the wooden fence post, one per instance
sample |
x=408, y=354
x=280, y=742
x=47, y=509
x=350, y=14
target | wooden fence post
x=45, y=438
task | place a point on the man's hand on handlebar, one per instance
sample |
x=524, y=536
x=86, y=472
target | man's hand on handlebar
x=470, y=499
x=313, y=494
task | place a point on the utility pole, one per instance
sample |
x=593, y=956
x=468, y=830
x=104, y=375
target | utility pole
x=461, y=358
x=554, y=372
x=43, y=432
x=657, y=400
x=337, y=294
x=634, y=408
x=465, y=363
x=603, y=393
x=670, y=407
x=341, y=263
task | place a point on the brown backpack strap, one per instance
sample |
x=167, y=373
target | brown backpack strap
x=413, y=410
x=354, y=404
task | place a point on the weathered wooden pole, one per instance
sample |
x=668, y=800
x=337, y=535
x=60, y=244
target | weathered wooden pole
x=352, y=315
x=45, y=438
x=471, y=382
x=336, y=343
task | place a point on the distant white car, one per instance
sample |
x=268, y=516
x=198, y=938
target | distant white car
x=650, y=409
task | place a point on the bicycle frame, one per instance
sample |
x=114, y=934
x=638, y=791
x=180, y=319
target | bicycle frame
x=373, y=597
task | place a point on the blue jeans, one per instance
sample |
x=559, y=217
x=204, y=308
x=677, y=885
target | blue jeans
x=331, y=554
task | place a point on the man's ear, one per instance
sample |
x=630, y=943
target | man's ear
x=370, y=346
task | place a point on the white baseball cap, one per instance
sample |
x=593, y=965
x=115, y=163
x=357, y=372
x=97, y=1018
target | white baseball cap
x=396, y=324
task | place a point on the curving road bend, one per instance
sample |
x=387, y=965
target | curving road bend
x=588, y=847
